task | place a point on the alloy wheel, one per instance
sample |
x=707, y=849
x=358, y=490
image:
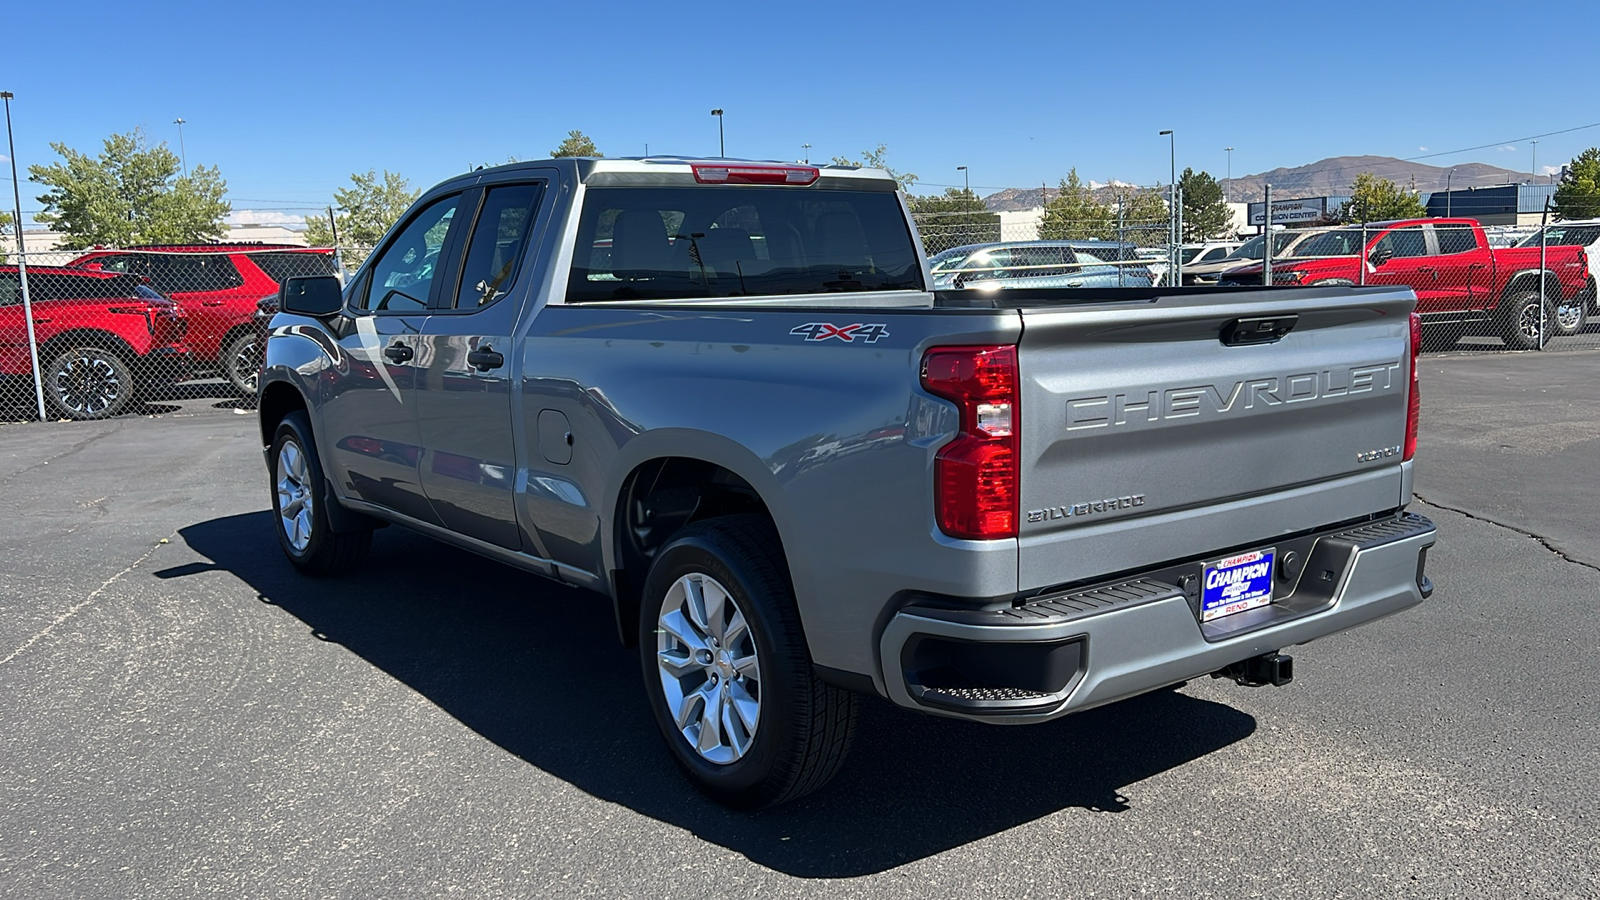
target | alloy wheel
x=294, y=496
x=87, y=385
x=710, y=676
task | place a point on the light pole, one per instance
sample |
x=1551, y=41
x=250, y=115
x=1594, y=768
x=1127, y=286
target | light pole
x=806, y=150
x=183, y=155
x=1172, y=200
x=1535, y=161
x=1448, y=197
x=966, y=179
x=1228, y=183
x=22, y=260
x=722, y=150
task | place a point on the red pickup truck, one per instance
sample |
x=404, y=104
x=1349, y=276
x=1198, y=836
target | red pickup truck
x=1462, y=285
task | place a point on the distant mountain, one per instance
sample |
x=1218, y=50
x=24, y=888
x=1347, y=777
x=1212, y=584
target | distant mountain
x=1328, y=177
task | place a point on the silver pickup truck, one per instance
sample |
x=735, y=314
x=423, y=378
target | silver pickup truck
x=722, y=395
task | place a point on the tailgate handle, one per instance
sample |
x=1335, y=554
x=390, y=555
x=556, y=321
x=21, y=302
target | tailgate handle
x=1258, y=330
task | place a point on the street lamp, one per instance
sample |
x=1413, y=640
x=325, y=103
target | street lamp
x=1535, y=161
x=22, y=260
x=1447, y=195
x=806, y=148
x=1172, y=202
x=1229, y=181
x=966, y=179
x=183, y=155
x=722, y=150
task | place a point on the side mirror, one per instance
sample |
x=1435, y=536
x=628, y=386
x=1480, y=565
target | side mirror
x=1379, y=256
x=311, y=295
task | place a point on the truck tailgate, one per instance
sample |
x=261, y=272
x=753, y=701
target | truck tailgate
x=1146, y=438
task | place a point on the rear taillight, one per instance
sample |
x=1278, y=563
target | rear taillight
x=1414, y=400
x=977, y=475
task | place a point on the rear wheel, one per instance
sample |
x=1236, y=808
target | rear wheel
x=89, y=382
x=728, y=672
x=241, y=362
x=1522, y=327
x=1569, y=316
x=300, y=500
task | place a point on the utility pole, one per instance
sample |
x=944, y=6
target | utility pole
x=1228, y=185
x=805, y=150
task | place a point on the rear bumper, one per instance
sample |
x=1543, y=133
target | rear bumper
x=1073, y=650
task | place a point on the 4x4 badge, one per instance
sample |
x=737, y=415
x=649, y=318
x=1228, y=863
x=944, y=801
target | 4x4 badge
x=821, y=331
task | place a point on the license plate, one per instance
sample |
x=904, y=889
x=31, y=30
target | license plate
x=1237, y=583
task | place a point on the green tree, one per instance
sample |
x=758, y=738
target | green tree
x=576, y=144
x=364, y=211
x=5, y=223
x=1075, y=214
x=1374, y=199
x=1145, y=217
x=131, y=193
x=1578, y=195
x=878, y=159
x=1205, y=213
x=953, y=218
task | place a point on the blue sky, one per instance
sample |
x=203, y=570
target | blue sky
x=290, y=98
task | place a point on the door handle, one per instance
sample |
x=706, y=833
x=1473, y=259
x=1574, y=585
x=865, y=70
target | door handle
x=1074, y=284
x=485, y=358
x=398, y=352
x=211, y=303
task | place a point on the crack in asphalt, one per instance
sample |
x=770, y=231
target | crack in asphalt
x=76, y=607
x=1543, y=541
x=75, y=448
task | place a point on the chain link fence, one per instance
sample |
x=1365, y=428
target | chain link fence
x=90, y=334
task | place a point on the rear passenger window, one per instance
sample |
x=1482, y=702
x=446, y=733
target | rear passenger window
x=193, y=272
x=1455, y=239
x=495, y=250
x=10, y=289
x=284, y=264
x=1403, y=242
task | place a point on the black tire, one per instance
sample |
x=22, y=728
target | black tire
x=241, y=362
x=805, y=725
x=323, y=551
x=89, y=382
x=1519, y=328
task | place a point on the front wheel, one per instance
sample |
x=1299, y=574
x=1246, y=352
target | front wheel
x=299, y=502
x=727, y=670
x=241, y=362
x=89, y=383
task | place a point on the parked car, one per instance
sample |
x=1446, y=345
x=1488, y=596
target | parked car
x=1207, y=252
x=1462, y=284
x=722, y=395
x=1251, y=251
x=1583, y=233
x=104, y=340
x=1039, y=264
x=218, y=285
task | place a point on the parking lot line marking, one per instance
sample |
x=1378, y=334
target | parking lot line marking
x=73, y=610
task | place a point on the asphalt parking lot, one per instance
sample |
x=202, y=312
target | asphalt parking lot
x=186, y=717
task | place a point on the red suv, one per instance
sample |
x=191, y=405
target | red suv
x=104, y=339
x=218, y=286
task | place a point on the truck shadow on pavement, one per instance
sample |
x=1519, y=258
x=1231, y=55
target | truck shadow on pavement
x=536, y=668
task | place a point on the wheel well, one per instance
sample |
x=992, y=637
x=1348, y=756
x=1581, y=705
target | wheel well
x=277, y=401
x=1529, y=281
x=234, y=332
x=81, y=337
x=658, y=498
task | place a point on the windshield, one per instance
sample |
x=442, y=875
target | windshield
x=1343, y=242
x=639, y=243
x=1565, y=236
x=948, y=258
